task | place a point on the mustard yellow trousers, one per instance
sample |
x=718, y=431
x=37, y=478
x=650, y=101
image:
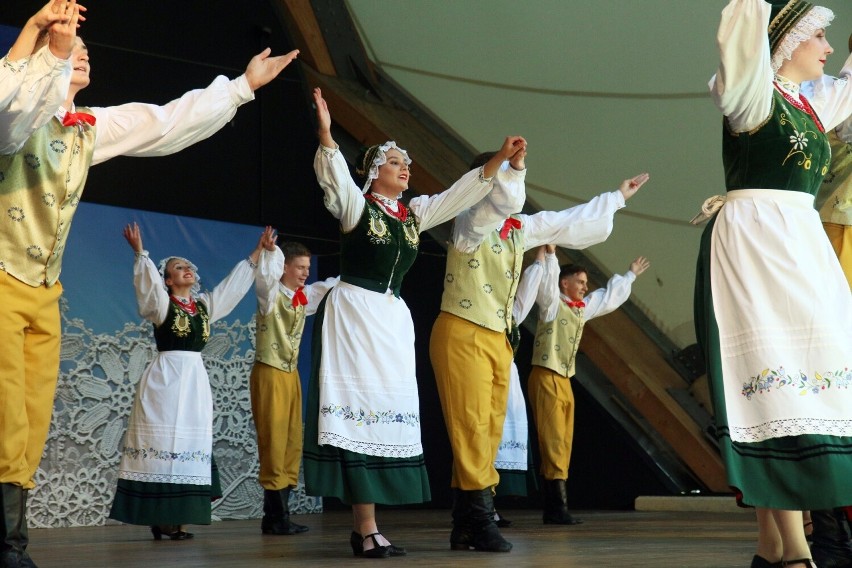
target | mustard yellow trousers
x=276, y=405
x=552, y=404
x=471, y=365
x=29, y=368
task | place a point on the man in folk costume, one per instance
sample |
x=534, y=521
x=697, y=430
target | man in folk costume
x=283, y=303
x=469, y=347
x=564, y=309
x=46, y=148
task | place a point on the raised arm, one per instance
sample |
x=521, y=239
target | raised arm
x=506, y=198
x=34, y=82
x=152, y=298
x=742, y=87
x=608, y=299
x=142, y=130
x=548, y=297
x=528, y=288
x=230, y=291
x=582, y=225
x=268, y=273
x=343, y=198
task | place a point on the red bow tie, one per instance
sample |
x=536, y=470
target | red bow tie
x=74, y=118
x=508, y=225
x=299, y=298
x=576, y=304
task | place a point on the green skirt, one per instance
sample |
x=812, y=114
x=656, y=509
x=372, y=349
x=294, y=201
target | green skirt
x=351, y=477
x=801, y=472
x=144, y=503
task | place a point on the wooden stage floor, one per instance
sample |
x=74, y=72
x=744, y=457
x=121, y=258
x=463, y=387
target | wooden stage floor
x=611, y=539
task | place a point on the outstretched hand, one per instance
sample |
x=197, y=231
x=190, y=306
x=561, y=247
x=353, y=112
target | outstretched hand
x=267, y=239
x=64, y=19
x=630, y=186
x=639, y=265
x=262, y=68
x=514, y=149
x=323, y=119
x=133, y=236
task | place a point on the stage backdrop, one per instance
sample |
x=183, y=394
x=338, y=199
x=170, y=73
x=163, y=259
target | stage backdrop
x=105, y=347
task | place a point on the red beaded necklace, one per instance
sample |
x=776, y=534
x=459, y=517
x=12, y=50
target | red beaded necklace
x=802, y=105
x=189, y=307
x=401, y=213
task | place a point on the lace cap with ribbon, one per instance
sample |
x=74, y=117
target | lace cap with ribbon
x=790, y=24
x=373, y=157
x=196, y=288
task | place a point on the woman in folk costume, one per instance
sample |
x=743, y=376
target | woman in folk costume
x=773, y=310
x=513, y=456
x=167, y=475
x=362, y=438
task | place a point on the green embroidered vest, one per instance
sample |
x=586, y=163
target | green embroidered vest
x=279, y=334
x=787, y=152
x=557, y=341
x=379, y=250
x=40, y=187
x=181, y=331
x=480, y=286
x=834, y=200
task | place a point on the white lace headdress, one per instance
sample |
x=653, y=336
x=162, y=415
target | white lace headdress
x=795, y=22
x=196, y=288
x=374, y=157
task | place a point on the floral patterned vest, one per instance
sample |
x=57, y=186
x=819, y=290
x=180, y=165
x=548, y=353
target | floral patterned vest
x=181, y=331
x=40, y=187
x=379, y=250
x=480, y=286
x=279, y=334
x=557, y=341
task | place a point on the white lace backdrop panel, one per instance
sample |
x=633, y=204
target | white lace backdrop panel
x=105, y=347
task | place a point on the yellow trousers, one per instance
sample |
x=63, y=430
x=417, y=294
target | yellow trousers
x=471, y=365
x=841, y=239
x=552, y=404
x=29, y=367
x=276, y=405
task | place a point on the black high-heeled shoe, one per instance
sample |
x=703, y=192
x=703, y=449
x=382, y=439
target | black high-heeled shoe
x=357, y=544
x=761, y=562
x=159, y=533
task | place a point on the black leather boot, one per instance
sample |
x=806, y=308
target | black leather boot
x=556, y=504
x=473, y=523
x=461, y=537
x=276, y=513
x=14, y=528
x=830, y=544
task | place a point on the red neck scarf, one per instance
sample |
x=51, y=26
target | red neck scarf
x=508, y=225
x=75, y=118
x=299, y=298
x=575, y=303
